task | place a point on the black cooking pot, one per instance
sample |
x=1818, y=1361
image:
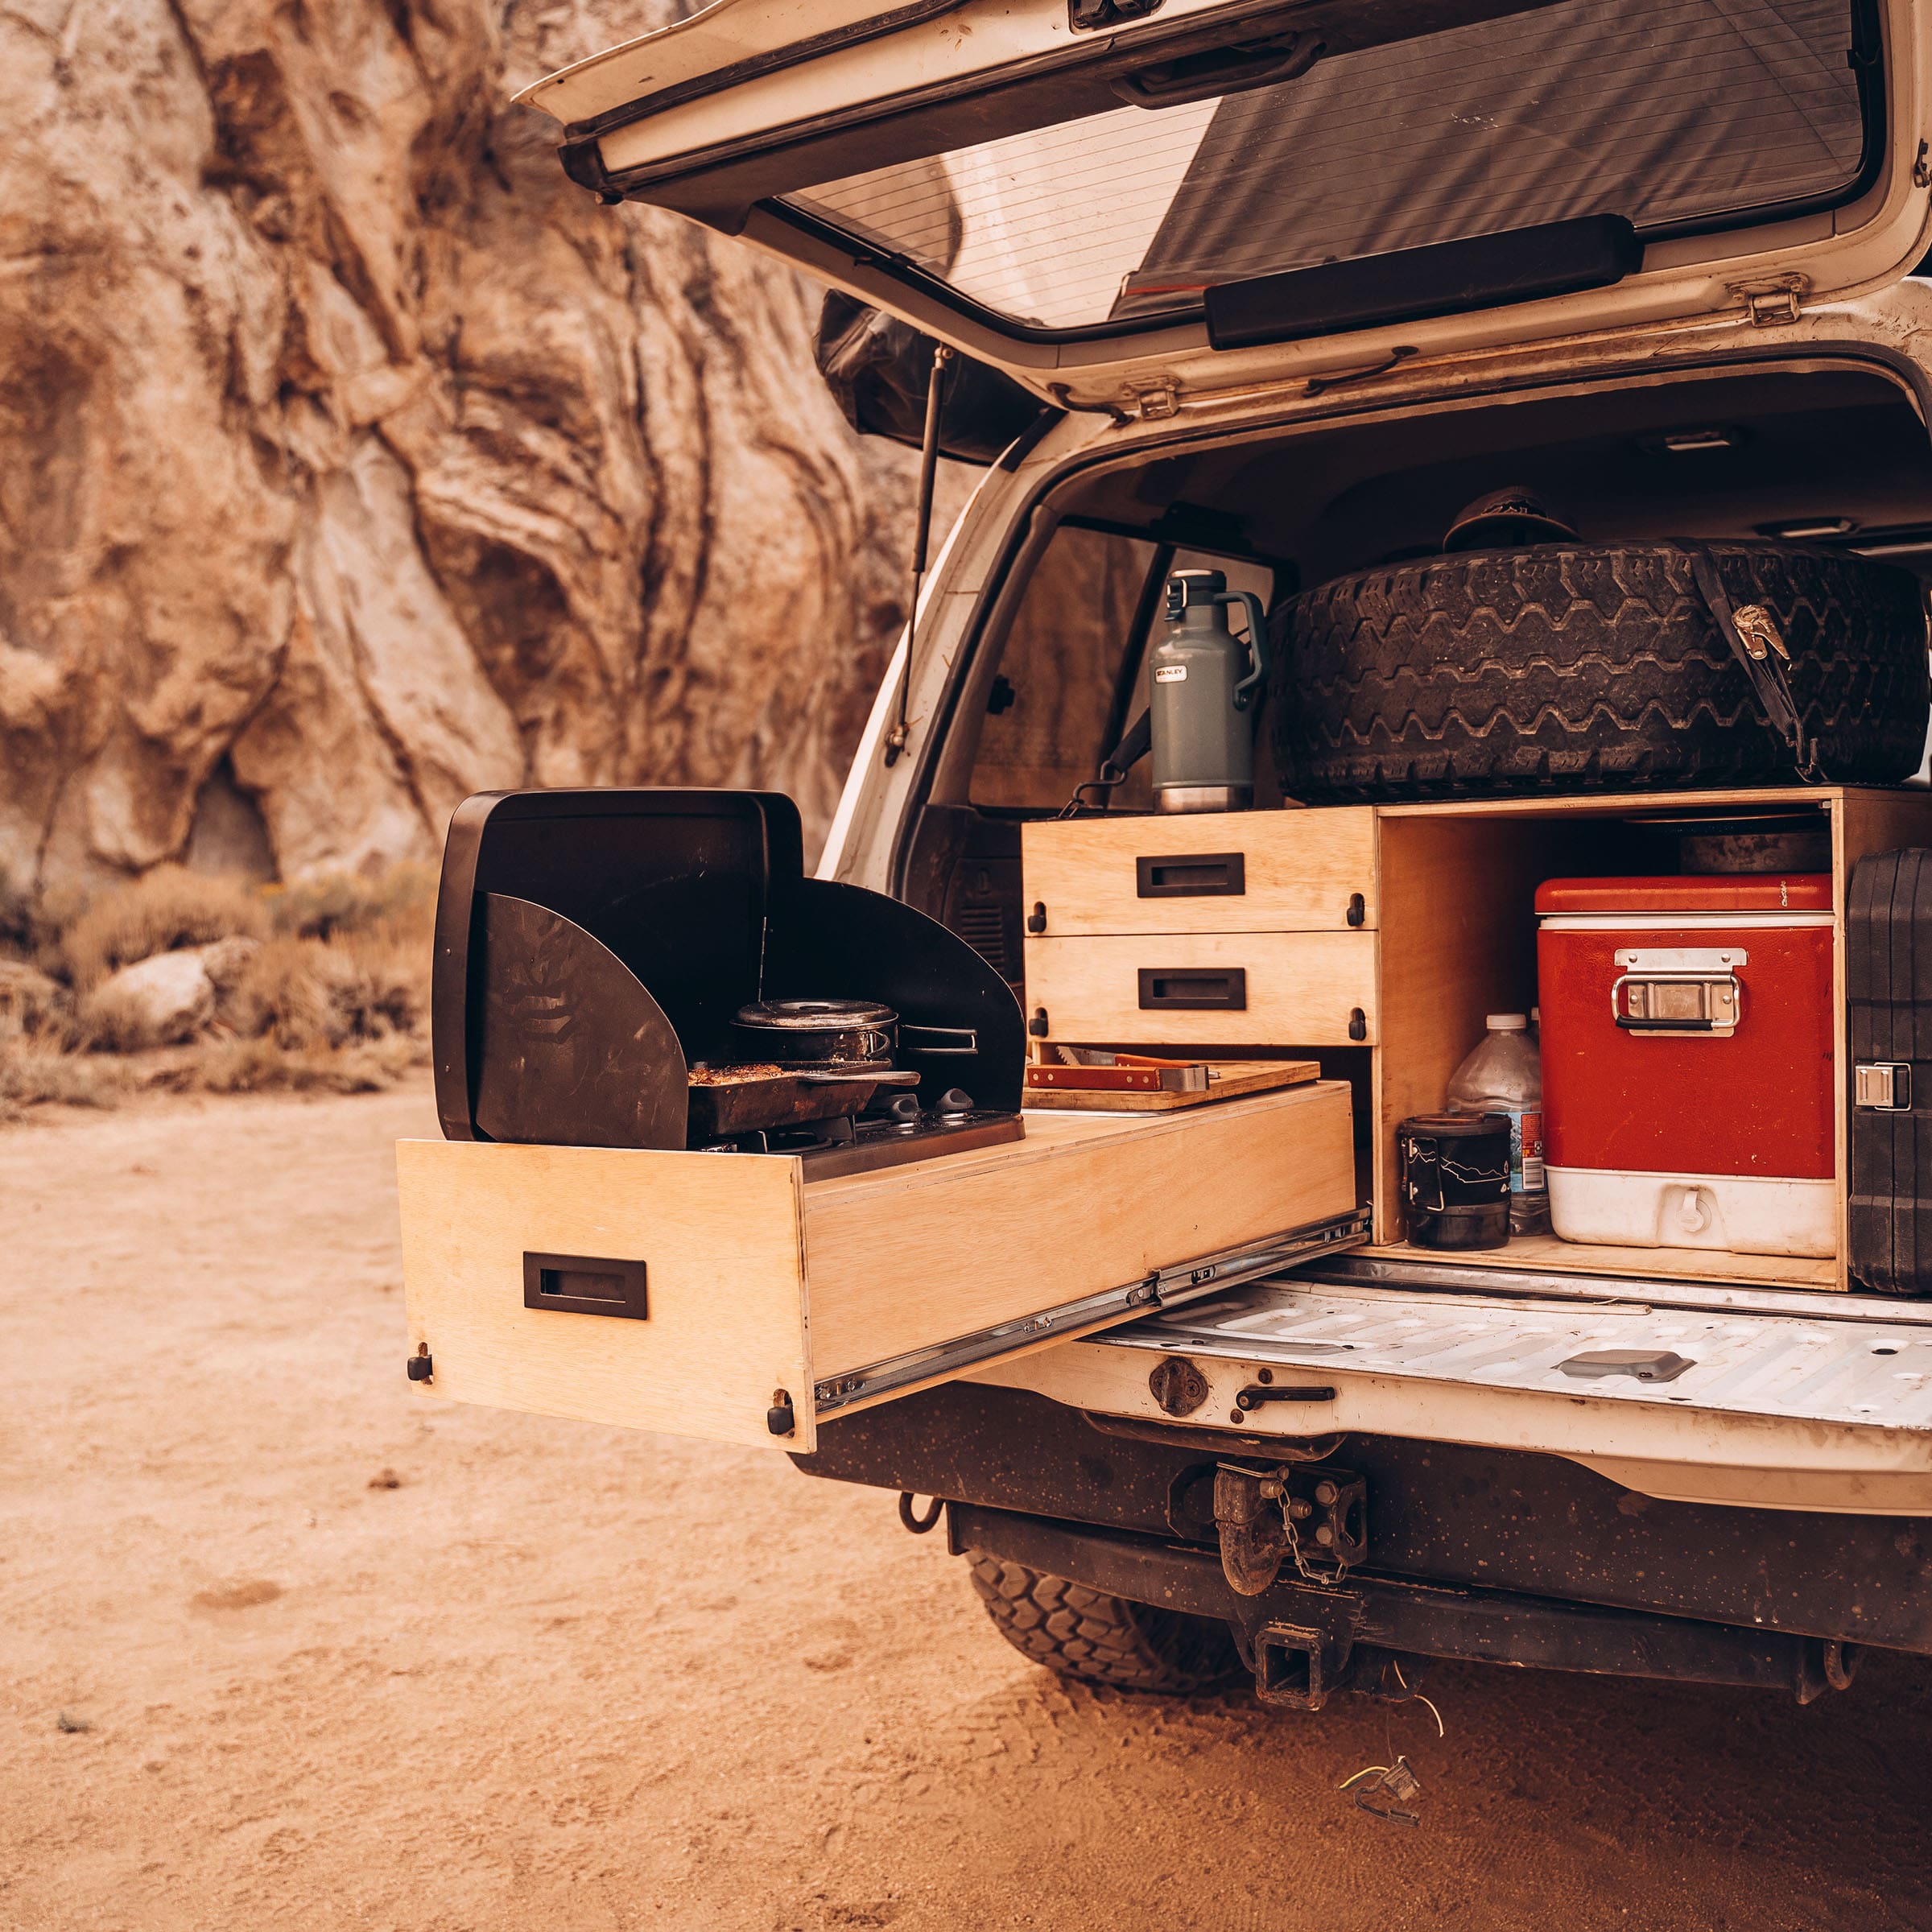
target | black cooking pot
x=853, y=1034
x=1455, y=1178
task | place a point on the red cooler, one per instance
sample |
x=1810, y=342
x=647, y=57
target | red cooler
x=1686, y=1051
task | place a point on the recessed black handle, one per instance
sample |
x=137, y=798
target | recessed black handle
x=1192, y=875
x=1253, y=1397
x=582, y=1284
x=1192, y=989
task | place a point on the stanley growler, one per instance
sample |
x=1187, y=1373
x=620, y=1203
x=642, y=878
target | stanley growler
x=1204, y=731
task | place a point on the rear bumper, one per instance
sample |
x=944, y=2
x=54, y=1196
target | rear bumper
x=1308, y=1641
x=1438, y=1514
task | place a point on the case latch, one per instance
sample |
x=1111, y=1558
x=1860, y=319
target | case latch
x=1882, y=1086
x=1675, y=990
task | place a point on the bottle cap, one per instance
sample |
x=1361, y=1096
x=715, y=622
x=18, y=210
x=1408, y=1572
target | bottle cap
x=1507, y=1022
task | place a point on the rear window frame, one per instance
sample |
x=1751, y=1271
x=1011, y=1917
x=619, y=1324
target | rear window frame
x=1869, y=62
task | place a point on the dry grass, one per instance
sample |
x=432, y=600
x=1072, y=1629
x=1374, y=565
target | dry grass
x=169, y=908
x=320, y=986
x=34, y=1075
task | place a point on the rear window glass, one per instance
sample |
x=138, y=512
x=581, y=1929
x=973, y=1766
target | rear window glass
x=1679, y=115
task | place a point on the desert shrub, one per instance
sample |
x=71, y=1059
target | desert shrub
x=259, y=1066
x=34, y=1005
x=303, y=993
x=166, y=908
x=34, y=1075
x=332, y=902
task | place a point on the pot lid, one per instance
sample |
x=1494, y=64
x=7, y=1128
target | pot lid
x=814, y=1016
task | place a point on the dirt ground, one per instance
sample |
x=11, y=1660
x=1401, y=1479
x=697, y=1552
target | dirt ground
x=278, y=1647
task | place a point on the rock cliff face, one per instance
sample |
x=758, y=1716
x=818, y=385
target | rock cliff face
x=351, y=459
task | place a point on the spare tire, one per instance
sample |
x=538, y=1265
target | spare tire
x=1578, y=667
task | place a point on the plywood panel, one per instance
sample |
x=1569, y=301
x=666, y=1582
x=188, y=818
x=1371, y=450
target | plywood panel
x=1302, y=988
x=1545, y=1253
x=720, y=1237
x=1301, y=869
x=1459, y=942
x=918, y=1255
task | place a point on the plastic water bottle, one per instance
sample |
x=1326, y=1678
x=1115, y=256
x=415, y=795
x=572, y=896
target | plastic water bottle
x=1505, y=1074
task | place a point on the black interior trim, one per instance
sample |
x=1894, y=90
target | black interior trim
x=1409, y=284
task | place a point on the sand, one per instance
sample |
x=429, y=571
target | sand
x=278, y=1647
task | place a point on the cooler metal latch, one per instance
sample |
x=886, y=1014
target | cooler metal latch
x=1882, y=1086
x=1679, y=990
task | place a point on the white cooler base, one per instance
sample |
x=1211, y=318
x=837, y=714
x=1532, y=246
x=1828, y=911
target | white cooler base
x=1747, y=1214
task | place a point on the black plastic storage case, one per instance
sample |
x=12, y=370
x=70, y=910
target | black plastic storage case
x=1888, y=979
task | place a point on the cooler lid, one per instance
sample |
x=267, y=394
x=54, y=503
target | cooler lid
x=1691, y=892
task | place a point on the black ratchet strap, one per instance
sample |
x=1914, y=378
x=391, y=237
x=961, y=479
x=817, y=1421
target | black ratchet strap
x=1759, y=646
x=1114, y=768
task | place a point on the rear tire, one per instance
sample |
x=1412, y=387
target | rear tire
x=1076, y=1632
x=1578, y=667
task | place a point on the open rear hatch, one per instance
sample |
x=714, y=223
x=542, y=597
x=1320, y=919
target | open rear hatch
x=1075, y=190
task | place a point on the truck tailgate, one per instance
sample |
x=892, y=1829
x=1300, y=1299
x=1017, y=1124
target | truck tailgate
x=1789, y=1400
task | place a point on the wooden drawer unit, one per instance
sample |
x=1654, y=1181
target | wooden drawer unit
x=1220, y=871
x=699, y=1292
x=1231, y=988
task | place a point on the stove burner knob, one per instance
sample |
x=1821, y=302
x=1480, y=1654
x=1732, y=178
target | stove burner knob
x=956, y=1099
x=903, y=1107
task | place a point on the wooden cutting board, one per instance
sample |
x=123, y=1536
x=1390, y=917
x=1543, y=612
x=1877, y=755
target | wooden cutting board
x=1227, y=1079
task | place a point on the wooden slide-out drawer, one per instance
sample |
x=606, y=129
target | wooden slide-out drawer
x=1234, y=989
x=755, y=1282
x=1217, y=871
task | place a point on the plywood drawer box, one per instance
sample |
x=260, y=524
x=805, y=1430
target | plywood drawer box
x=1222, y=872
x=1234, y=989
x=730, y=1278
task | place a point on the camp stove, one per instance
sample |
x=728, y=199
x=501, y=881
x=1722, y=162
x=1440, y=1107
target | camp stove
x=653, y=969
x=902, y=1130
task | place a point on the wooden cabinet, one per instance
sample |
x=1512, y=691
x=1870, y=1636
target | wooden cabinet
x=1226, y=988
x=1447, y=935
x=728, y=1296
x=1220, y=872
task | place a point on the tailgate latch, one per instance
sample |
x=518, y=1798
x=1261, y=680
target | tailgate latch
x=1882, y=1086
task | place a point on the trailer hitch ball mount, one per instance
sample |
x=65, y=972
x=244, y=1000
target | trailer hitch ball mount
x=1267, y=1516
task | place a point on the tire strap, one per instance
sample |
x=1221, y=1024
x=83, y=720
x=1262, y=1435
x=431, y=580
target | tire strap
x=1114, y=768
x=1759, y=646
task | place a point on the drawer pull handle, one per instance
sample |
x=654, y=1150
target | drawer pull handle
x=780, y=1418
x=1358, y=1024
x=1036, y=920
x=581, y=1284
x=1196, y=875
x=1189, y=990
x=1358, y=909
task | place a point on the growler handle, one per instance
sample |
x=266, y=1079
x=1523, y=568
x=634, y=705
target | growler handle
x=1257, y=645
